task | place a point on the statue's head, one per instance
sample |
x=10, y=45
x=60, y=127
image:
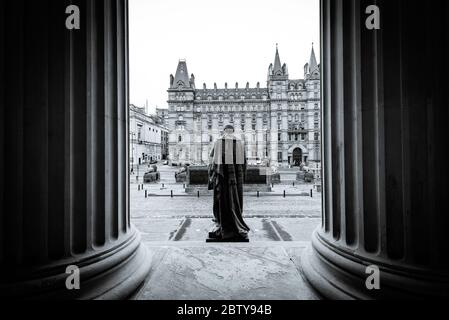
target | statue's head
x=229, y=129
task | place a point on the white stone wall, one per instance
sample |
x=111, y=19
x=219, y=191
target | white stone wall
x=145, y=137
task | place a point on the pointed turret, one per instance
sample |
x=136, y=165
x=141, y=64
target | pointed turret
x=181, y=79
x=277, y=70
x=277, y=63
x=313, y=65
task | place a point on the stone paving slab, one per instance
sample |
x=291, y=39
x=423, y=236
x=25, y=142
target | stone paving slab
x=191, y=206
x=196, y=229
x=224, y=272
x=157, y=229
x=293, y=229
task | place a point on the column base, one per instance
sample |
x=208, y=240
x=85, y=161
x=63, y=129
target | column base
x=111, y=275
x=339, y=275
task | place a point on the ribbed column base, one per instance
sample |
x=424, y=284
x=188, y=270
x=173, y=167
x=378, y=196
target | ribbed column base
x=339, y=275
x=110, y=275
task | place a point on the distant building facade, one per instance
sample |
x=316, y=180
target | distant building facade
x=162, y=113
x=164, y=143
x=148, y=137
x=280, y=124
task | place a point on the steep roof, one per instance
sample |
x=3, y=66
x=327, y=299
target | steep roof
x=277, y=63
x=181, y=79
x=312, y=63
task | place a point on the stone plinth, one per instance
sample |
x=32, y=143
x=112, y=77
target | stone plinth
x=151, y=177
x=256, y=180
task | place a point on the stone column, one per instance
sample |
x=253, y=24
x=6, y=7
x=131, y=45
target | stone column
x=385, y=120
x=64, y=152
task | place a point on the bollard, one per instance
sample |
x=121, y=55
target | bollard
x=284, y=193
x=198, y=194
x=258, y=194
x=163, y=185
x=171, y=193
x=146, y=194
x=311, y=193
x=293, y=184
x=138, y=187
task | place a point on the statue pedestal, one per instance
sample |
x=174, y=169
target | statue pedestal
x=233, y=240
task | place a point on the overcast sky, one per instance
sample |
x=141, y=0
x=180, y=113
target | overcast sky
x=222, y=41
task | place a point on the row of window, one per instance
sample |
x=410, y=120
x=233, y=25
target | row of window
x=233, y=108
x=253, y=117
x=302, y=135
x=300, y=86
x=242, y=97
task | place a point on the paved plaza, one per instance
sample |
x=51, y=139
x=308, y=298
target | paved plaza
x=184, y=267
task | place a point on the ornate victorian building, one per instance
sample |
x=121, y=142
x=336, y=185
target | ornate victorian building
x=280, y=123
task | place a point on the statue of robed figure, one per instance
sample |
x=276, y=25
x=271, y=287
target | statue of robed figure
x=227, y=170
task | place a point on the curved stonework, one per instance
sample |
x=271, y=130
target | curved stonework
x=385, y=187
x=340, y=274
x=114, y=273
x=64, y=153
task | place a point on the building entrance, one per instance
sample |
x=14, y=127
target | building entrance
x=297, y=157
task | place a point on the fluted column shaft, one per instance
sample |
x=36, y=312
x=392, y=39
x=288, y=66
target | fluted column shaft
x=385, y=115
x=64, y=162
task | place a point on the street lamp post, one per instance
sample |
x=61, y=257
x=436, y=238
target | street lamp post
x=132, y=152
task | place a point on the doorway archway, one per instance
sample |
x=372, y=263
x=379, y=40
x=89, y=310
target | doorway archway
x=297, y=157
